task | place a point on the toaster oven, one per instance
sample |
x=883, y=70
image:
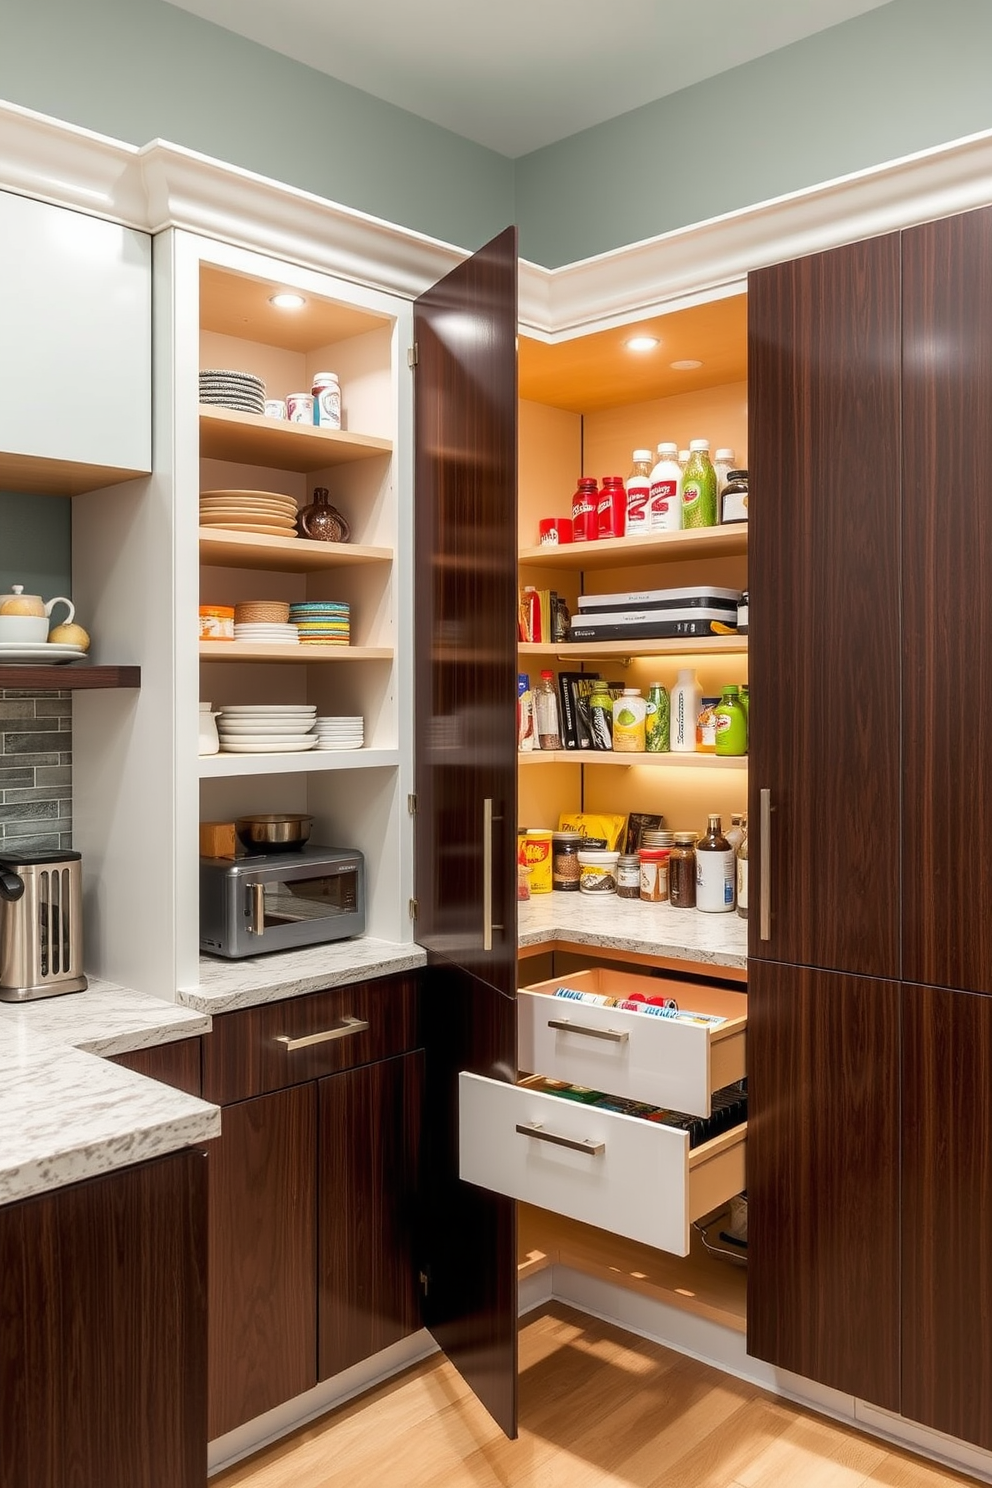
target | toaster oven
x=279, y=901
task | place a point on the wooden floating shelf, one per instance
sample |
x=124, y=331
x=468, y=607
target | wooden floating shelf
x=619, y=757
x=69, y=677
x=240, y=651
x=225, y=549
x=667, y=547
x=253, y=439
x=306, y=762
x=36, y=475
x=734, y=645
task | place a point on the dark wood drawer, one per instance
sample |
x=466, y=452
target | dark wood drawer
x=252, y=1052
x=176, y=1064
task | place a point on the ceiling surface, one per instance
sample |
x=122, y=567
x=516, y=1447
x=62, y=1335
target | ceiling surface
x=520, y=74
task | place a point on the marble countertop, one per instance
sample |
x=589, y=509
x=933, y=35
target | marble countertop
x=227, y=985
x=105, y=1019
x=631, y=925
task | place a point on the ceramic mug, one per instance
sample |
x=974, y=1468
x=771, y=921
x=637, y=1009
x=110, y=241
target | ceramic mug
x=299, y=407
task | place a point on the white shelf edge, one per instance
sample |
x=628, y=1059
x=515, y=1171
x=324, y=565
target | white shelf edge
x=306, y=762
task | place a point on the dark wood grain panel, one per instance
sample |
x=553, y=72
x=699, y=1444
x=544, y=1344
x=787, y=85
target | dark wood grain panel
x=824, y=451
x=369, y=1130
x=242, y=1056
x=103, y=1331
x=263, y=1305
x=176, y=1064
x=69, y=678
x=823, y=1178
x=947, y=1211
x=947, y=547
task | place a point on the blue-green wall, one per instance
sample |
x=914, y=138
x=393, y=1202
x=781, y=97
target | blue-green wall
x=34, y=544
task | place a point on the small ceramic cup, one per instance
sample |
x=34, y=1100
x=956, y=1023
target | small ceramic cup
x=299, y=408
x=24, y=629
x=275, y=408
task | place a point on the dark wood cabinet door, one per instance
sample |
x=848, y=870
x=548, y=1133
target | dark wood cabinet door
x=823, y=1178
x=947, y=598
x=176, y=1064
x=947, y=1211
x=368, y=1145
x=263, y=1305
x=465, y=413
x=824, y=352
x=103, y=1331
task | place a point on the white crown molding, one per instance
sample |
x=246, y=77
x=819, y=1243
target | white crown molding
x=163, y=185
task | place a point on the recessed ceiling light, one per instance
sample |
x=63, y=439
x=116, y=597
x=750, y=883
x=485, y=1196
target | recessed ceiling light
x=641, y=343
x=687, y=365
x=287, y=301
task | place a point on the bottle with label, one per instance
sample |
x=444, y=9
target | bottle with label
x=601, y=716
x=686, y=698
x=584, y=514
x=706, y=726
x=742, y=872
x=682, y=871
x=699, y=487
x=638, y=493
x=629, y=715
x=611, y=507
x=665, y=511
x=746, y=705
x=657, y=720
x=546, y=710
x=683, y=460
x=525, y=714
x=735, y=832
x=734, y=497
x=326, y=391
x=731, y=723
x=723, y=463
x=715, y=871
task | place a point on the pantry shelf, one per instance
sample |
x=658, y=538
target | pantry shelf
x=239, y=651
x=253, y=439
x=225, y=549
x=657, y=547
x=310, y=762
x=618, y=757
x=703, y=646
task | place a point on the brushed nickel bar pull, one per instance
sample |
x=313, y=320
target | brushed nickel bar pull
x=257, y=924
x=765, y=823
x=611, y=1035
x=591, y=1149
x=488, y=817
x=346, y=1029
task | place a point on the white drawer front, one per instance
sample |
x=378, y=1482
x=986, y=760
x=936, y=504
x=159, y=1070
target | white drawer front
x=625, y=1175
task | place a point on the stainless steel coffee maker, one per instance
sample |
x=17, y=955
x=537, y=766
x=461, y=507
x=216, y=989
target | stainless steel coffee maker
x=41, y=925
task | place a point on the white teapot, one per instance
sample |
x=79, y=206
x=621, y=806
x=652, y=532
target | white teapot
x=24, y=617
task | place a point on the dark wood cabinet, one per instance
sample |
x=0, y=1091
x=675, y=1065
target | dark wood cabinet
x=176, y=1064
x=103, y=1331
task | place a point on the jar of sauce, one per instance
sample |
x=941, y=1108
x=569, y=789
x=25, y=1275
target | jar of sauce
x=682, y=871
x=565, y=869
x=629, y=876
x=653, y=874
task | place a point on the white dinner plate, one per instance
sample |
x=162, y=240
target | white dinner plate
x=248, y=708
x=23, y=653
x=282, y=727
x=265, y=744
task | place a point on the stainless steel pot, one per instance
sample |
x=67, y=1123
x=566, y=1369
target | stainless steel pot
x=273, y=832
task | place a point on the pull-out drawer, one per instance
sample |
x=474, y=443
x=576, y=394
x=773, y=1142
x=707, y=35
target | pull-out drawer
x=657, y=1060
x=619, y=1172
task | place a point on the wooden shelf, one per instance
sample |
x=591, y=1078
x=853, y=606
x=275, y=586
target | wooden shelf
x=307, y=762
x=239, y=651
x=666, y=547
x=70, y=677
x=36, y=475
x=253, y=439
x=225, y=549
x=618, y=757
x=734, y=645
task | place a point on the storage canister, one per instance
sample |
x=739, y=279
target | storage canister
x=598, y=872
x=653, y=875
x=565, y=861
x=682, y=871
x=216, y=622
x=629, y=876
x=326, y=393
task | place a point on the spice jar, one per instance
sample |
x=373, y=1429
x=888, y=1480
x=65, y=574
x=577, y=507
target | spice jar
x=598, y=872
x=682, y=871
x=653, y=874
x=629, y=876
x=565, y=861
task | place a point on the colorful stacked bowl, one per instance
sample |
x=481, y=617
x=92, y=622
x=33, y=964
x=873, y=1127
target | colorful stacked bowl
x=322, y=623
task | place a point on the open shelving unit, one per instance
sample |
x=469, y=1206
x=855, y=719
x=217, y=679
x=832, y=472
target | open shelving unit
x=253, y=439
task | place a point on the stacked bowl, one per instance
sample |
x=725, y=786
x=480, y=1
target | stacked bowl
x=322, y=623
x=340, y=733
x=242, y=391
x=267, y=728
x=264, y=622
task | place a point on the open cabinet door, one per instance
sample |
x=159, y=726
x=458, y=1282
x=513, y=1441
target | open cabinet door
x=465, y=422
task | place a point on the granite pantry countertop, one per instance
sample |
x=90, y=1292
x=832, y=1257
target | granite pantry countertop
x=105, y=1019
x=633, y=926
x=227, y=985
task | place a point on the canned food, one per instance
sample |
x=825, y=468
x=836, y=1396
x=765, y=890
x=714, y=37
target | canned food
x=216, y=622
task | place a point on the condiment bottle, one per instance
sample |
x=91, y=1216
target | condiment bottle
x=699, y=487
x=665, y=513
x=746, y=705
x=731, y=723
x=526, y=741
x=629, y=713
x=682, y=871
x=326, y=400
x=601, y=716
x=657, y=720
x=734, y=497
x=742, y=872
x=584, y=505
x=723, y=463
x=735, y=831
x=686, y=698
x=638, y=493
x=611, y=508
x=715, y=871
x=546, y=710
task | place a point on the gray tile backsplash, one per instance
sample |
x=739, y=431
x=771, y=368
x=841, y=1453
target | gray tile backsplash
x=35, y=770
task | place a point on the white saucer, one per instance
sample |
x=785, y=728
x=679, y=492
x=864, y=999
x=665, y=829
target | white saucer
x=27, y=653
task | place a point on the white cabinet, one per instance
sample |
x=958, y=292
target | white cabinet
x=75, y=349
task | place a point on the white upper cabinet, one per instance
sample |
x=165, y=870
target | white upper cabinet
x=75, y=349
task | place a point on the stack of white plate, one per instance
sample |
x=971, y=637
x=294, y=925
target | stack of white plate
x=266, y=728
x=268, y=512
x=340, y=733
x=242, y=391
x=266, y=633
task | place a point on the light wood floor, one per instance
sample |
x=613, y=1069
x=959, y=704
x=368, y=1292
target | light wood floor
x=598, y=1409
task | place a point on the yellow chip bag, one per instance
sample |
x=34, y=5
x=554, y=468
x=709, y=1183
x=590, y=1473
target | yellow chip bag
x=602, y=826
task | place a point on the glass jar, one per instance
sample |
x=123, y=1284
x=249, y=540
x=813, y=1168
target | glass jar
x=565, y=861
x=653, y=887
x=629, y=876
x=682, y=871
x=598, y=872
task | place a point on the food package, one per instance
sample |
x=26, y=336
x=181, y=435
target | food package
x=534, y=852
x=599, y=826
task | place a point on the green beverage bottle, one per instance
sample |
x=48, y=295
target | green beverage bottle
x=699, y=507
x=731, y=724
x=658, y=720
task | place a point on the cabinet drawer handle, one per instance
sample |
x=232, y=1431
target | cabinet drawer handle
x=765, y=825
x=611, y=1035
x=344, y=1030
x=488, y=925
x=591, y=1149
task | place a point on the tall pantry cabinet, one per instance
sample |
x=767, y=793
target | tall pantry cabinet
x=870, y=968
